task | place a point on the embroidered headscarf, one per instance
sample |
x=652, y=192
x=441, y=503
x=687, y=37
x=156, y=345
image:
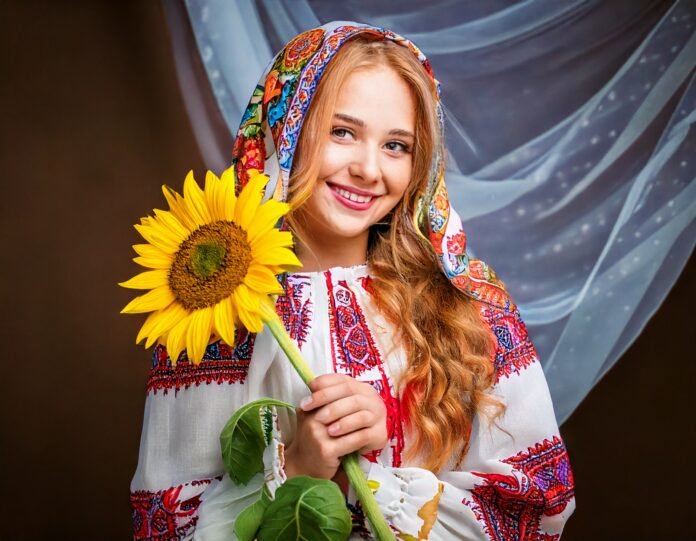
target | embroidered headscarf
x=271, y=124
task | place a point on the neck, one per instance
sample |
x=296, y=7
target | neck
x=321, y=254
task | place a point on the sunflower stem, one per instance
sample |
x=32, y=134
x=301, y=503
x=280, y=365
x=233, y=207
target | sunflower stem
x=350, y=463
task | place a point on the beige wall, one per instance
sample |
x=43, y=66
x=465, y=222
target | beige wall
x=92, y=125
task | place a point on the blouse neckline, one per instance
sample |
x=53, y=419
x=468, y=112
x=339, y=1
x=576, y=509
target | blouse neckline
x=335, y=273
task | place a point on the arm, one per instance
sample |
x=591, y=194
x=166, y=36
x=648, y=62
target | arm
x=515, y=482
x=179, y=460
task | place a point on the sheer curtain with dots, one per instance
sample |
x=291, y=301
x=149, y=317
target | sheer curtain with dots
x=572, y=151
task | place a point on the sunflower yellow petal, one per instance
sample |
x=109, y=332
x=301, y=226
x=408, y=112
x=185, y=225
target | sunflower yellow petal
x=271, y=240
x=156, y=299
x=266, y=219
x=278, y=256
x=176, y=338
x=248, y=306
x=249, y=201
x=178, y=208
x=154, y=236
x=224, y=321
x=147, y=327
x=198, y=334
x=147, y=280
x=213, y=196
x=165, y=320
x=167, y=219
x=260, y=279
x=228, y=196
x=195, y=201
x=148, y=250
x=164, y=262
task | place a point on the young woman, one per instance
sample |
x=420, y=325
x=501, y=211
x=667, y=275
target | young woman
x=426, y=367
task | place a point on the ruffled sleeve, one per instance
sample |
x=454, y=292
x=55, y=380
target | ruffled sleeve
x=515, y=482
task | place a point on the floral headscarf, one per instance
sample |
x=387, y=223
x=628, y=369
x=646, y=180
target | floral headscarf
x=270, y=126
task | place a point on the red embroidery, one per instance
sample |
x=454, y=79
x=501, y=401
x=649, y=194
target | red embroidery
x=514, y=351
x=295, y=308
x=166, y=515
x=366, y=283
x=354, y=353
x=511, y=506
x=220, y=364
x=547, y=465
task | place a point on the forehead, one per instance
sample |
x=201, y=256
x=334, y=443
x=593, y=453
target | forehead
x=378, y=96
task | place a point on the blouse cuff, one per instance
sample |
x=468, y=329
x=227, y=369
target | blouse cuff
x=274, y=458
x=408, y=497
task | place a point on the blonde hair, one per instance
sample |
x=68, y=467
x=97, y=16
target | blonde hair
x=448, y=345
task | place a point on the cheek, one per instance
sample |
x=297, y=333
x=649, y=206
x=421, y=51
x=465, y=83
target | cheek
x=401, y=180
x=333, y=158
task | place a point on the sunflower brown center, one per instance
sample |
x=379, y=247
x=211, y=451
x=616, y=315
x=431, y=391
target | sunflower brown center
x=210, y=264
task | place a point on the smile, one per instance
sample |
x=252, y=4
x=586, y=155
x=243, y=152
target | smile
x=353, y=196
x=352, y=200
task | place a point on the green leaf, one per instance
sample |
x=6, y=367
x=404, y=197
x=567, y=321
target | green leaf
x=305, y=508
x=247, y=523
x=244, y=438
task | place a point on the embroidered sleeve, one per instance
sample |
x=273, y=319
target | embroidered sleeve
x=515, y=482
x=179, y=461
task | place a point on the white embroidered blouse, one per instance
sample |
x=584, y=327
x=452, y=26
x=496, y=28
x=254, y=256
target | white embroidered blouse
x=515, y=481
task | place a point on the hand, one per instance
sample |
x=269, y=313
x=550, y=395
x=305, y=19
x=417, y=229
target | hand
x=341, y=415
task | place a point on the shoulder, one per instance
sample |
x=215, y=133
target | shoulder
x=514, y=351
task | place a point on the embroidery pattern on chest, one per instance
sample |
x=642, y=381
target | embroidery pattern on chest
x=355, y=353
x=295, y=308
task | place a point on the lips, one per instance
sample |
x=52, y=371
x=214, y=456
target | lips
x=353, y=199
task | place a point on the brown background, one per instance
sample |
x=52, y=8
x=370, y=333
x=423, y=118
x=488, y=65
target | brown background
x=92, y=125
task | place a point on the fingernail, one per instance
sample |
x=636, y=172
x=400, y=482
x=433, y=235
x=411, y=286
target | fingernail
x=306, y=401
x=334, y=428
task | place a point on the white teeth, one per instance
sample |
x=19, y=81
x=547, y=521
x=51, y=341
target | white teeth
x=353, y=196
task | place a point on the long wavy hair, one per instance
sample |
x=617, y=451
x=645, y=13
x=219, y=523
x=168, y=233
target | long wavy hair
x=449, y=347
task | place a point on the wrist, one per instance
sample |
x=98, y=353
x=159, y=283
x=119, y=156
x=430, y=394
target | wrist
x=289, y=463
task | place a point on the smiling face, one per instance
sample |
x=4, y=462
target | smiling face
x=366, y=163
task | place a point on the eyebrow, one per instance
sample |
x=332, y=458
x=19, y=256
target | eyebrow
x=357, y=122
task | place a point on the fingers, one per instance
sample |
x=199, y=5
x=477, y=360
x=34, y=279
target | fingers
x=350, y=423
x=326, y=380
x=342, y=407
x=360, y=440
x=332, y=387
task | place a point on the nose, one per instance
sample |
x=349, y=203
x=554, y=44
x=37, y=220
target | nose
x=366, y=164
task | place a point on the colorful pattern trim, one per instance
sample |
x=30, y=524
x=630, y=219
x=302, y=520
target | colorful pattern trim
x=221, y=364
x=514, y=351
x=511, y=506
x=295, y=308
x=167, y=515
x=355, y=353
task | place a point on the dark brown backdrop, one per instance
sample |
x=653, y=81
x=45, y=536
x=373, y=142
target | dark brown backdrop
x=92, y=125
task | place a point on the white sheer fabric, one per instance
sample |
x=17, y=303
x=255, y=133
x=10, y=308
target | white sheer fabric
x=571, y=153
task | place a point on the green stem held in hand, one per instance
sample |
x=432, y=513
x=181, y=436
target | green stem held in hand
x=350, y=463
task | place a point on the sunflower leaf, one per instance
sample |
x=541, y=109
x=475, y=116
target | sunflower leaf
x=248, y=522
x=244, y=438
x=305, y=508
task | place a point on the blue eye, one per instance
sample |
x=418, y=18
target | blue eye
x=341, y=133
x=396, y=146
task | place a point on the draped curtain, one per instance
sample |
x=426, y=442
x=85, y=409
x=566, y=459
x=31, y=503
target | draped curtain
x=571, y=145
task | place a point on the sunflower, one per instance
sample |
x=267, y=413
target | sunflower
x=213, y=259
